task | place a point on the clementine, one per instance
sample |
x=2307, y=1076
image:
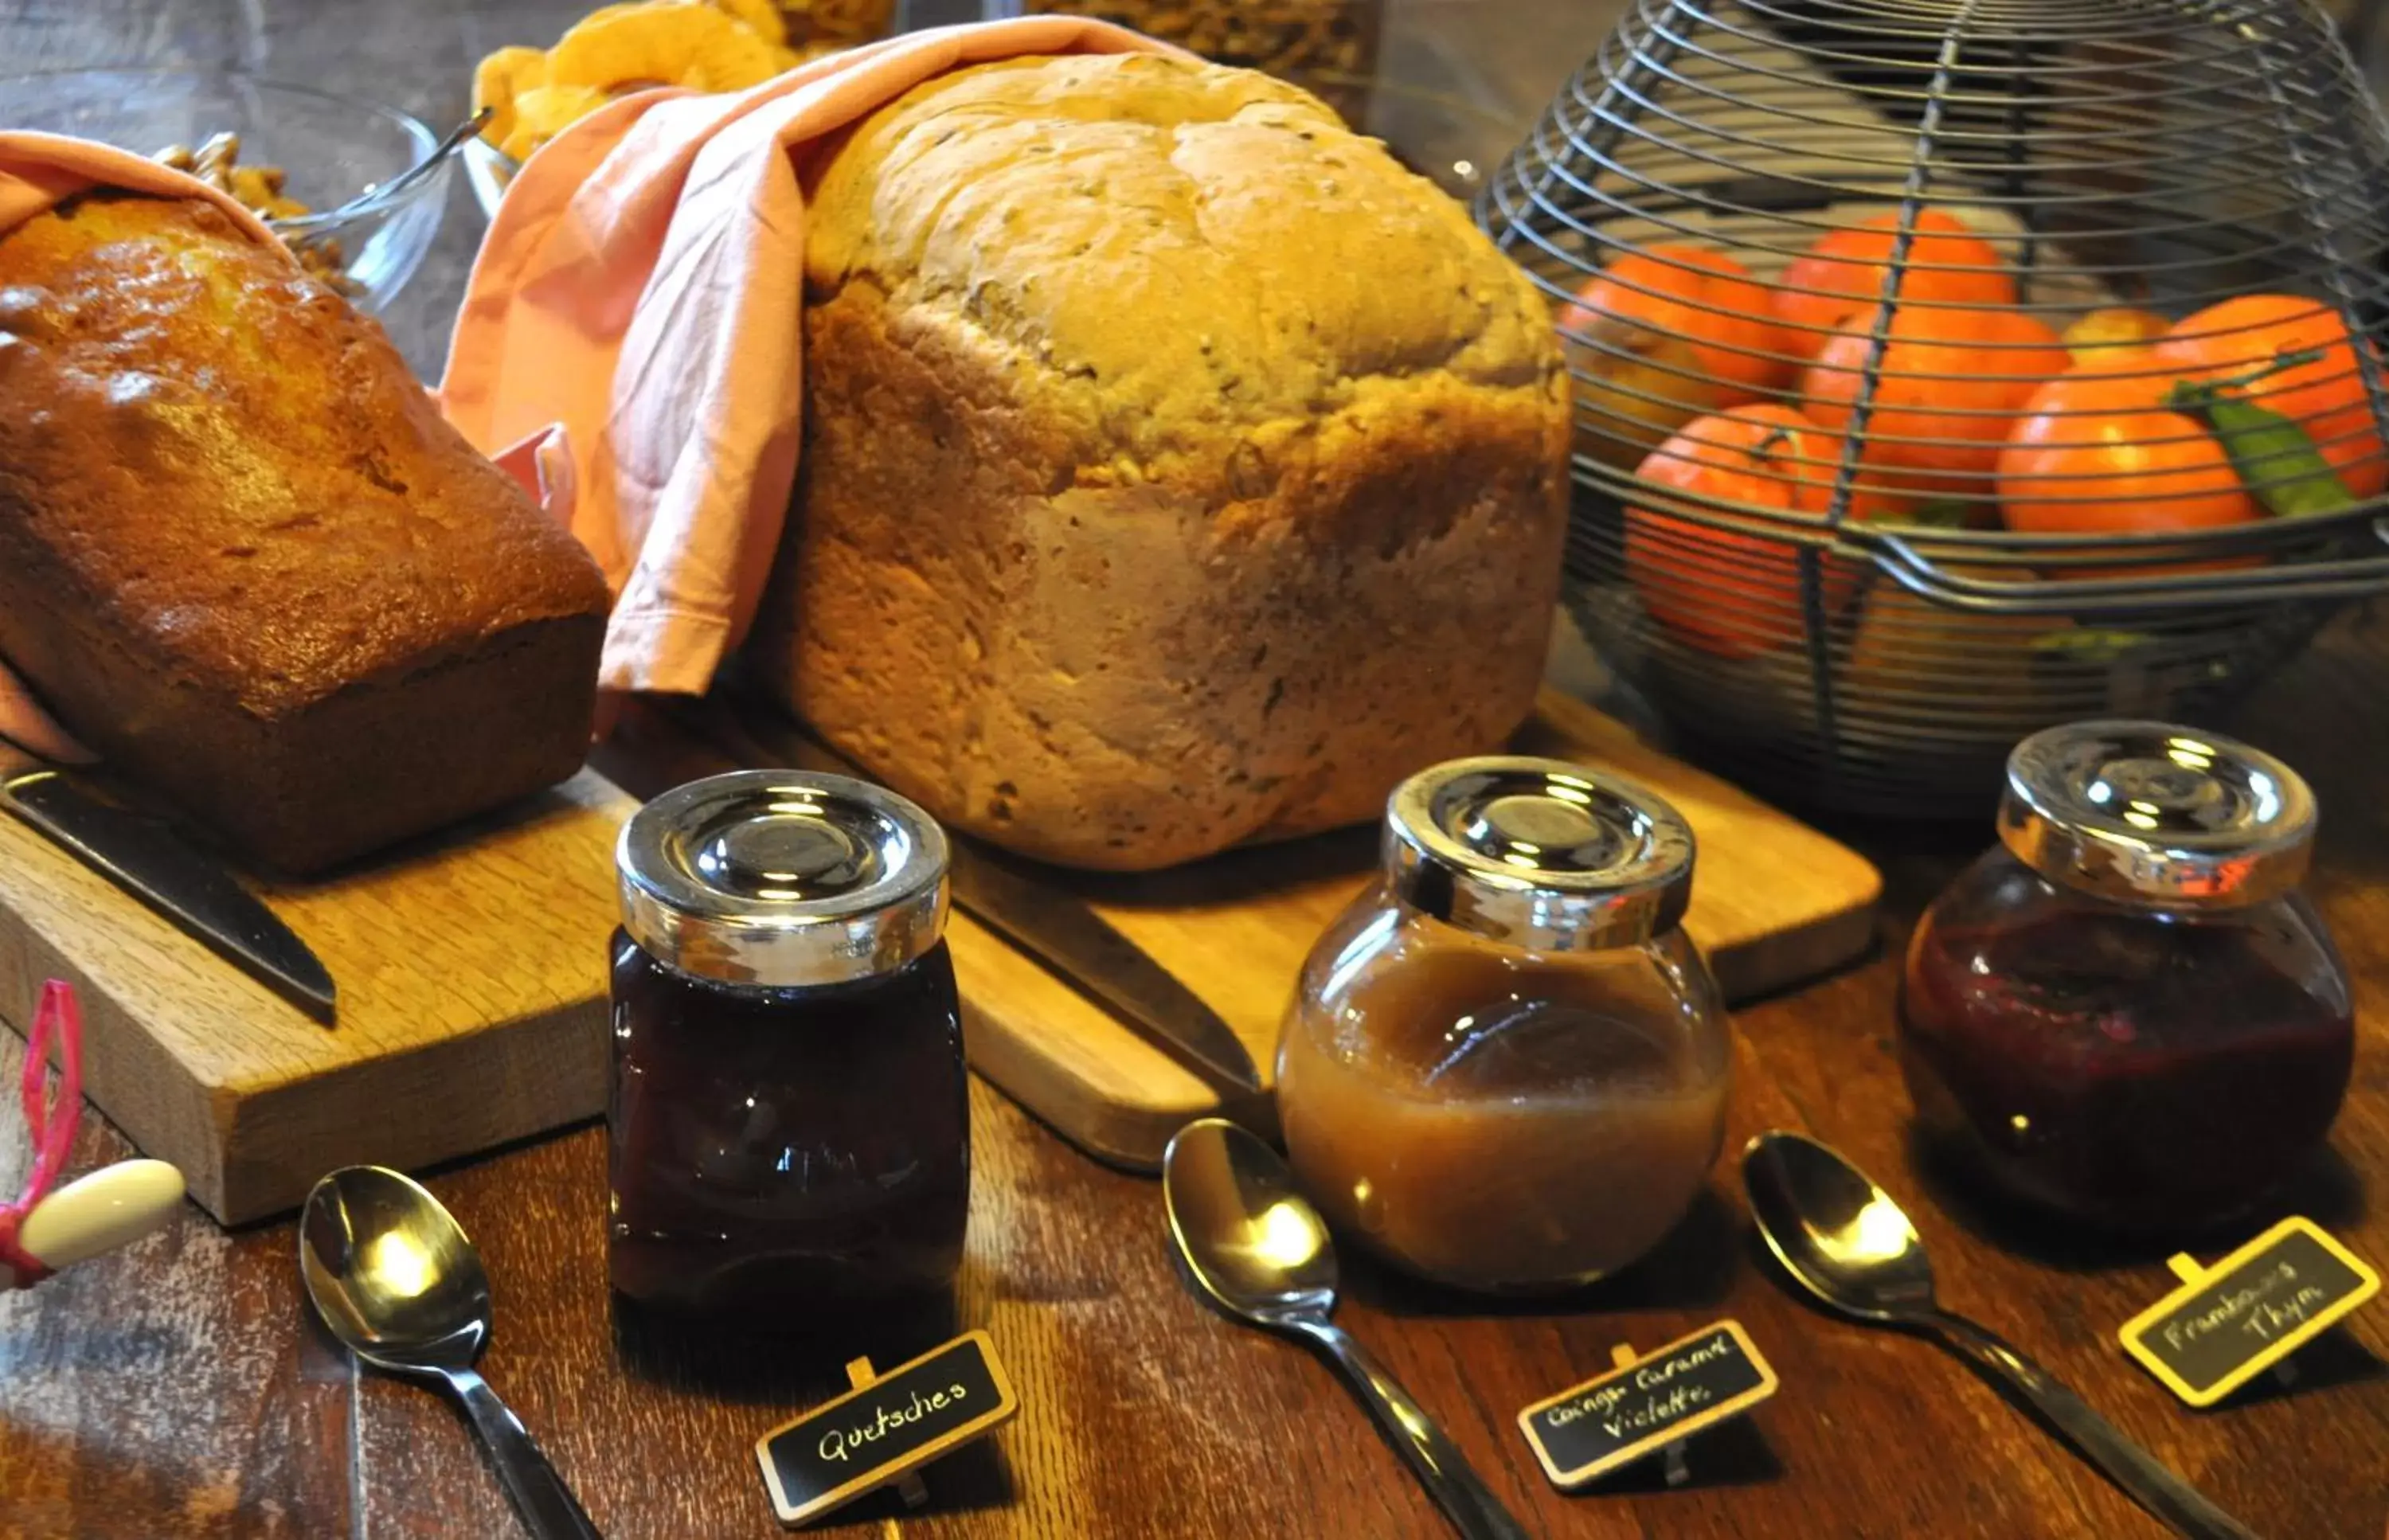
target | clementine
x=2116, y=331
x=1948, y=264
x=1945, y=395
x=1663, y=336
x=1727, y=592
x=2249, y=338
x=2098, y=450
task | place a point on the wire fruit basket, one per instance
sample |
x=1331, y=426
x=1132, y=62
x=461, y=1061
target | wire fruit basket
x=1947, y=369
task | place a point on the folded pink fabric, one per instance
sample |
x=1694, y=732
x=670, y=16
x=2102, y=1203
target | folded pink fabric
x=630, y=342
x=37, y=173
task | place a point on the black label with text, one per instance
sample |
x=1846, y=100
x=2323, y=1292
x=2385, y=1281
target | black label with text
x=2206, y=1336
x=869, y=1437
x=1665, y=1396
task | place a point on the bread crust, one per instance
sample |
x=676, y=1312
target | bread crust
x=1178, y=470
x=243, y=557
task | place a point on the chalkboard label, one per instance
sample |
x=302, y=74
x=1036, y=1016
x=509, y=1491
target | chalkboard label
x=2249, y=1311
x=867, y=1438
x=1634, y=1410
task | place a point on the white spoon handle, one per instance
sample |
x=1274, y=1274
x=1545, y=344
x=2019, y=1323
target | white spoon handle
x=97, y=1212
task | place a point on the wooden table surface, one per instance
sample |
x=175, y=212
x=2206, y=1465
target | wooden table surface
x=181, y=1389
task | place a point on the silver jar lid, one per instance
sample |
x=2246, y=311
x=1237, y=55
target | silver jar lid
x=2144, y=813
x=1539, y=853
x=782, y=878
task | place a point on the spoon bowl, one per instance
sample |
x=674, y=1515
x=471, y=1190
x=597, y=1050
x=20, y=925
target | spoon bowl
x=1840, y=1237
x=1252, y=1243
x=393, y=1273
x=397, y=1281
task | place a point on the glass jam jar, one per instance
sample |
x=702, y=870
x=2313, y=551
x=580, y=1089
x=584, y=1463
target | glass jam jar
x=2125, y=1013
x=1505, y=1067
x=789, y=1122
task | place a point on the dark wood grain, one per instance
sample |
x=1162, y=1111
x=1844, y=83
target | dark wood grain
x=180, y=1389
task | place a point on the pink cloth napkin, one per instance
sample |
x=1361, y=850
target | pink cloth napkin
x=37, y=173
x=630, y=345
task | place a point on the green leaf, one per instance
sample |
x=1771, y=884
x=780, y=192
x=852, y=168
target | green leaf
x=2091, y=646
x=2274, y=457
x=1942, y=513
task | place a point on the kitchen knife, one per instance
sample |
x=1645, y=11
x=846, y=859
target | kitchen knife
x=146, y=858
x=1049, y=923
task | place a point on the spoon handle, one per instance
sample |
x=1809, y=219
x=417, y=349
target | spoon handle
x=2139, y=1473
x=1433, y=1458
x=547, y=1506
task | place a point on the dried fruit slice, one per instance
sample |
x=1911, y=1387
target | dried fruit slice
x=544, y=111
x=760, y=17
x=680, y=45
x=498, y=79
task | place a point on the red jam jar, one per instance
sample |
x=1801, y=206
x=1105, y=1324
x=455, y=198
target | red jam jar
x=2126, y=1012
x=788, y=1128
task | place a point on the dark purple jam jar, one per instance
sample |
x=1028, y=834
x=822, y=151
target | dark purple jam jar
x=2125, y=1013
x=789, y=1126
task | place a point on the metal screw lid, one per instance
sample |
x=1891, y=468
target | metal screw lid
x=782, y=878
x=2148, y=813
x=1539, y=853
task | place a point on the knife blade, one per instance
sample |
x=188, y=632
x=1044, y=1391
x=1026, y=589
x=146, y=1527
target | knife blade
x=146, y=858
x=1046, y=920
x=1060, y=931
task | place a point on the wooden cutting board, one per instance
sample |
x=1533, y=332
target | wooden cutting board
x=472, y=982
x=1773, y=902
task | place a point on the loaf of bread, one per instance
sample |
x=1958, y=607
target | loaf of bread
x=1178, y=470
x=244, y=559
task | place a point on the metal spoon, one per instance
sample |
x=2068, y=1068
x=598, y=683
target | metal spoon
x=1845, y=1240
x=407, y=178
x=1261, y=1253
x=394, y=1276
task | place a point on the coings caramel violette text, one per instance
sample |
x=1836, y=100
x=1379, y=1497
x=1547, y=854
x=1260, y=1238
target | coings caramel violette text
x=1652, y=1396
x=836, y=1443
x=2275, y=1302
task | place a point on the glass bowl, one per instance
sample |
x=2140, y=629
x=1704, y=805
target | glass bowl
x=488, y=171
x=332, y=150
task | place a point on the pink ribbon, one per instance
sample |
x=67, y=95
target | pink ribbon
x=51, y=1121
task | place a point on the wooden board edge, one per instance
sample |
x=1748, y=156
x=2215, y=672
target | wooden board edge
x=134, y=1080
x=1118, y=1134
x=1754, y=970
x=556, y=1064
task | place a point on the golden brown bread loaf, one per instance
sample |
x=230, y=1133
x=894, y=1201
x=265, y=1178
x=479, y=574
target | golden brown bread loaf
x=242, y=556
x=1178, y=470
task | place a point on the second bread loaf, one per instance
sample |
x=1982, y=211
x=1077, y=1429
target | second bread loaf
x=1178, y=469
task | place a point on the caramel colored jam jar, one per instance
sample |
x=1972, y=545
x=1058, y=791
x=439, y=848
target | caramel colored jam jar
x=1505, y=1067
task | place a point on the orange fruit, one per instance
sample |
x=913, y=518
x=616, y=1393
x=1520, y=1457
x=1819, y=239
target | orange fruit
x=1663, y=336
x=1948, y=264
x=2326, y=395
x=1726, y=591
x=2097, y=450
x=2113, y=332
x=1948, y=387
